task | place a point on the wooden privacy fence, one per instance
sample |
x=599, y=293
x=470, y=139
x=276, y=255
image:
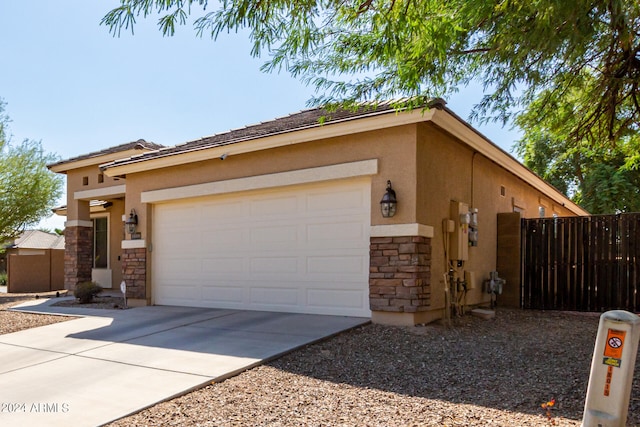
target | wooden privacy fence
x=581, y=263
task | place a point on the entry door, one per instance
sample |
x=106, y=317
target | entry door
x=101, y=271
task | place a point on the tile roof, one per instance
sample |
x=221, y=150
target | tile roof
x=36, y=239
x=140, y=144
x=306, y=119
x=92, y=204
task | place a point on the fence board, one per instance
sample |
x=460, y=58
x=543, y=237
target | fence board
x=581, y=263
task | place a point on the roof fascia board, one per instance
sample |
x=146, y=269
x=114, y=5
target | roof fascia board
x=477, y=142
x=329, y=130
x=92, y=209
x=93, y=161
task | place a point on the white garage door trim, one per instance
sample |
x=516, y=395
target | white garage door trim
x=301, y=248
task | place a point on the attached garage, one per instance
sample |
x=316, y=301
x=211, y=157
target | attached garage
x=284, y=215
x=301, y=248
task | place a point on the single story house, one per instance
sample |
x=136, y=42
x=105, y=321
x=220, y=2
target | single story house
x=286, y=215
x=35, y=262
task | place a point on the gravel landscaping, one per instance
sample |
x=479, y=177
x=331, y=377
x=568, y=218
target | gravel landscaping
x=473, y=373
x=12, y=321
x=476, y=373
x=109, y=302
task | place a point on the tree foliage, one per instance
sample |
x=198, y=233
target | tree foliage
x=568, y=70
x=27, y=188
x=601, y=178
x=354, y=50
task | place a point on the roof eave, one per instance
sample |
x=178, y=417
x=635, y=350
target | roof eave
x=439, y=115
x=453, y=124
x=329, y=130
x=64, y=167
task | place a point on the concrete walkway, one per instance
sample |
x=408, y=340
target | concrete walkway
x=95, y=369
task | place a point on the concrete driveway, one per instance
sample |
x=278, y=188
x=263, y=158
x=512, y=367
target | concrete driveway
x=101, y=367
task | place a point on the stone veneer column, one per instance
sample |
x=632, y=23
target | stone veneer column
x=400, y=274
x=78, y=259
x=134, y=272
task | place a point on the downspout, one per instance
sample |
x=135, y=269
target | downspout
x=473, y=159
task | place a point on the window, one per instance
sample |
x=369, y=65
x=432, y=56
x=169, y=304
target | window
x=100, y=242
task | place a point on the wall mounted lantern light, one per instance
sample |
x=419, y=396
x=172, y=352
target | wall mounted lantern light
x=388, y=204
x=131, y=222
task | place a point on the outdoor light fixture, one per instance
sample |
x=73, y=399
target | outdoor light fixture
x=388, y=203
x=131, y=222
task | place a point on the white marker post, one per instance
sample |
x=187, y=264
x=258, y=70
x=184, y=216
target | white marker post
x=614, y=359
x=123, y=289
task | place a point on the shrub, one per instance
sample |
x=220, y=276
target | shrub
x=3, y=279
x=85, y=291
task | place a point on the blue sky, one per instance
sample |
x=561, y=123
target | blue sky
x=67, y=82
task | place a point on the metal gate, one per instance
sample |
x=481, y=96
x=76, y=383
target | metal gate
x=581, y=263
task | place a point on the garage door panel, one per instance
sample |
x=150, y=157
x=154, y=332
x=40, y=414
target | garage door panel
x=179, y=269
x=274, y=206
x=233, y=211
x=332, y=301
x=230, y=293
x=174, y=216
x=180, y=290
x=222, y=240
x=217, y=267
x=274, y=235
x=176, y=241
x=329, y=202
x=273, y=296
x=274, y=264
x=350, y=231
x=340, y=266
x=299, y=249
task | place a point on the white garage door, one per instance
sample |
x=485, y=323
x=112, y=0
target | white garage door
x=301, y=249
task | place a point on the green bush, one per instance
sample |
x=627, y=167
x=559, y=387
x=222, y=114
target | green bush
x=85, y=291
x=3, y=279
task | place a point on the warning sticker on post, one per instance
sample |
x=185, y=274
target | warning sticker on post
x=613, y=348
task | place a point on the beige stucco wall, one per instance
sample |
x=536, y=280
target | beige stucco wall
x=57, y=269
x=79, y=209
x=35, y=270
x=450, y=171
x=394, y=149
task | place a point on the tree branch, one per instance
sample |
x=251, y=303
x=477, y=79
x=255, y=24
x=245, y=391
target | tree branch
x=364, y=7
x=476, y=50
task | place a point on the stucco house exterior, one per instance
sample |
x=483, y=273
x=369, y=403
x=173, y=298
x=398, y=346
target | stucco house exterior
x=285, y=215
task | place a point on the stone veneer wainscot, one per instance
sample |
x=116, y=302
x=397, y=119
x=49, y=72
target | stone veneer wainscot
x=134, y=272
x=78, y=255
x=400, y=274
